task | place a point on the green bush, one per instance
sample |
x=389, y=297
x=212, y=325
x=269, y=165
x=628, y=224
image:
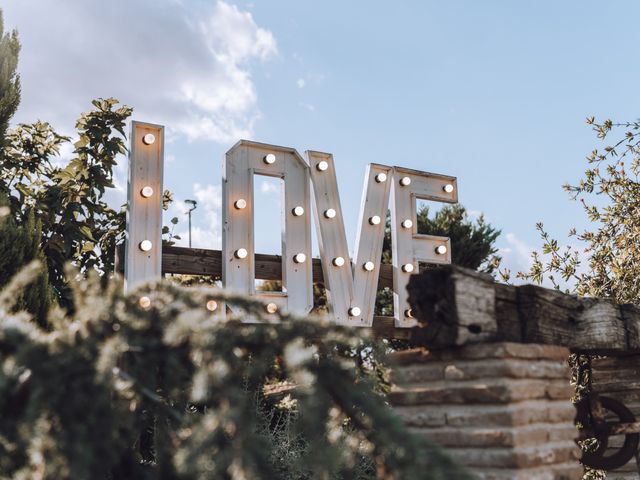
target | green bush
x=125, y=390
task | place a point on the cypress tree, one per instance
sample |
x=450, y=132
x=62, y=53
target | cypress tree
x=9, y=79
x=19, y=245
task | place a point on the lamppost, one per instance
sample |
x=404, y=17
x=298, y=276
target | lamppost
x=193, y=204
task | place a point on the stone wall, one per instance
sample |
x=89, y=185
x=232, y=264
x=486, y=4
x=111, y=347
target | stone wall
x=503, y=409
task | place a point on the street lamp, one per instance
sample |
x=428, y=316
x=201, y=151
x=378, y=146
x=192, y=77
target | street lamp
x=193, y=204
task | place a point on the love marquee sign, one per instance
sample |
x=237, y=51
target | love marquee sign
x=310, y=190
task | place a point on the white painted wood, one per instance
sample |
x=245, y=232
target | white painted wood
x=409, y=247
x=144, y=214
x=370, y=239
x=242, y=162
x=350, y=288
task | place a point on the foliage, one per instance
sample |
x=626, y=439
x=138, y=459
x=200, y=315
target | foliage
x=9, y=79
x=170, y=369
x=610, y=195
x=20, y=245
x=77, y=224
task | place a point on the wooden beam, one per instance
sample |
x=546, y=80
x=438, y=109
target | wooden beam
x=198, y=261
x=456, y=306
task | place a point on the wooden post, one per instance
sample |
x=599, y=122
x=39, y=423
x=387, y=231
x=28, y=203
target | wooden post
x=143, y=255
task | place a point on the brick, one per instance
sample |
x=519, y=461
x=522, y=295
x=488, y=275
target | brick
x=548, y=454
x=564, y=471
x=476, y=369
x=528, y=436
x=503, y=350
x=471, y=392
x=518, y=414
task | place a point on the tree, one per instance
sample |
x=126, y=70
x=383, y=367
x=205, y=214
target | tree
x=20, y=245
x=9, y=79
x=610, y=195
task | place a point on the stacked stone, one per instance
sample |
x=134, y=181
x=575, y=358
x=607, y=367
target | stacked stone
x=619, y=378
x=502, y=409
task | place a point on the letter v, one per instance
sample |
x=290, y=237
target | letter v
x=351, y=289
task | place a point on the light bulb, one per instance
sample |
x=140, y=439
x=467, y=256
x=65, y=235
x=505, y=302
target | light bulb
x=338, y=261
x=375, y=220
x=368, y=266
x=441, y=249
x=269, y=159
x=407, y=223
x=212, y=305
x=405, y=181
x=240, y=204
x=299, y=258
x=298, y=211
x=146, y=191
x=407, y=267
x=145, y=245
x=271, y=308
x=144, y=302
x=241, y=253
x=408, y=313
x=381, y=177
x=149, y=139
x=322, y=166
x=329, y=213
x=354, y=312
x=448, y=188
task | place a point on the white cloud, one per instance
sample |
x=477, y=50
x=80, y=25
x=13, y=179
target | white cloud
x=270, y=187
x=187, y=67
x=300, y=83
x=307, y=106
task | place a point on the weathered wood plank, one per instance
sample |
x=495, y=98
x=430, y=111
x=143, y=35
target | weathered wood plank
x=198, y=261
x=456, y=306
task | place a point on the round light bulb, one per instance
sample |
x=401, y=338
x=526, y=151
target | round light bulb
x=381, y=177
x=355, y=312
x=299, y=258
x=212, y=305
x=322, y=166
x=240, y=204
x=375, y=220
x=407, y=267
x=368, y=266
x=338, y=261
x=448, y=188
x=146, y=191
x=241, y=253
x=407, y=223
x=145, y=245
x=271, y=308
x=405, y=181
x=269, y=159
x=408, y=313
x=149, y=139
x=330, y=213
x=144, y=302
x=298, y=211
x=441, y=249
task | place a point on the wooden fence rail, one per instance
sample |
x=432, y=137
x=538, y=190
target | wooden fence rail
x=199, y=261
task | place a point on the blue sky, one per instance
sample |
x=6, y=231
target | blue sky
x=493, y=92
